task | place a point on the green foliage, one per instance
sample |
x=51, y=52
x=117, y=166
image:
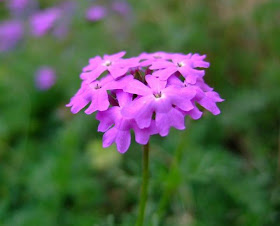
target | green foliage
x=222, y=170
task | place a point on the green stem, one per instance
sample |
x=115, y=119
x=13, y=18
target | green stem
x=170, y=185
x=144, y=189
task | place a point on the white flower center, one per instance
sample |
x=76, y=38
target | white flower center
x=181, y=64
x=107, y=63
x=159, y=96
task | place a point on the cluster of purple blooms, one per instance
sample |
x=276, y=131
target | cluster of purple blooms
x=55, y=20
x=11, y=33
x=99, y=12
x=27, y=19
x=148, y=94
x=45, y=78
x=26, y=16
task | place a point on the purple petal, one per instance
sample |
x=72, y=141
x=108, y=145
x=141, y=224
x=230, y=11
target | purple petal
x=116, y=71
x=190, y=74
x=210, y=104
x=195, y=113
x=118, y=84
x=161, y=64
x=142, y=136
x=93, y=64
x=137, y=87
x=115, y=56
x=202, y=64
x=123, y=140
x=123, y=98
x=77, y=103
x=181, y=97
x=109, y=137
x=162, y=104
x=214, y=96
x=141, y=110
x=94, y=74
x=155, y=84
x=165, y=73
x=99, y=101
x=106, y=118
x=164, y=121
x=173, y=80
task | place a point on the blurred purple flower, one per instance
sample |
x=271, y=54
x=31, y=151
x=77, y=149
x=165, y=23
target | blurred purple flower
x=96, y=13
x=21, y=7
x=61, y=28
x=121, y=7
x=45, y=78
x=17, y=5
x=54, y=20
x=43, y=21
x=11, y=32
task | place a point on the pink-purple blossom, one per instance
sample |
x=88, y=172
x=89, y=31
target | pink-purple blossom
x=17, y=5
x=121, y=7
x=45, y=78
x=147, y=94
x=55, y=20
x=43, y=21
x=20, y=8
x=11, y=32
x=96, y=13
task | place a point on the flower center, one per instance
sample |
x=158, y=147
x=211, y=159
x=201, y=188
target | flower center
x=181, y=64
x=157, y=95
x=107, y=63
x=97, y=86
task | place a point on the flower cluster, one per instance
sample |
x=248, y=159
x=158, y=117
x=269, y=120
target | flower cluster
x=55, y=20
x=148, y=94
x=11, y=32
x=28, y=18
x=45, y=78
x=99, y=12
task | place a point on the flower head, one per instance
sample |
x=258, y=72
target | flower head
x=96, y=13
x=45, y=78
x=147, y=94
x=55, y=20
x=121, y=7
x=42, y=22
x=11, y=32
x=19, y=8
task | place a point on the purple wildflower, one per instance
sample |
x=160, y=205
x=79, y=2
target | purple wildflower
x=42, y=22
x=17, y=5
x=11, y=32
x=61, y=28
x=45, y=78
x=121, y=7
x=20, y=8
x=148, y=94
x=96, y=13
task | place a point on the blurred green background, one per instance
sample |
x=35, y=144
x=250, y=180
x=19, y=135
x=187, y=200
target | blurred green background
x=222, y=170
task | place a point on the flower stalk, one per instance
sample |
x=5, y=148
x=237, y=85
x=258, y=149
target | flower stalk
x=144, y=188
